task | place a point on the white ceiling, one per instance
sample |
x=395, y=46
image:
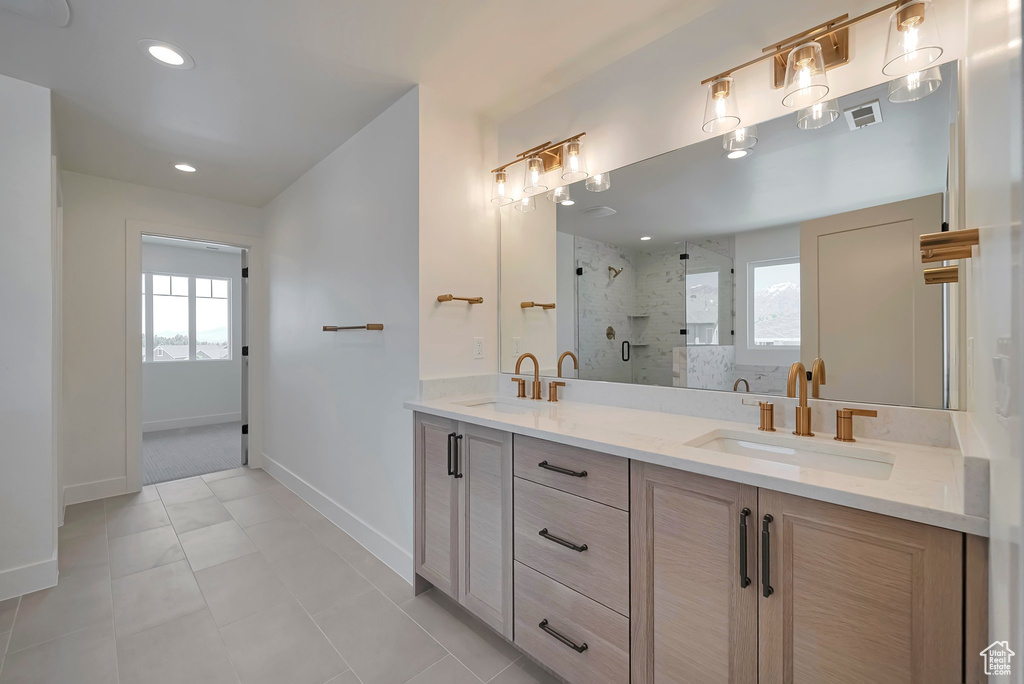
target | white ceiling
x=278, y=85
x=792, y=175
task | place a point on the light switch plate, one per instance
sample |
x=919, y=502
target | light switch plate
x=478, y=347
x=517, y=346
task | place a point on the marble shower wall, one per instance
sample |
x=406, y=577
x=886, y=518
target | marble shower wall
x=660, y=297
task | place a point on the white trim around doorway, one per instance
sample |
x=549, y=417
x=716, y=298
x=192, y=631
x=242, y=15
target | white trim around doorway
x=257, y=305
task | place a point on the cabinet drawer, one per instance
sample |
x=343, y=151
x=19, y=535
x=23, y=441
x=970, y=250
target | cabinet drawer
x=606, y=479
x=600, y=572
x=539, y=599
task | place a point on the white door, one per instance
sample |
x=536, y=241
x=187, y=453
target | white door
x=865, y=308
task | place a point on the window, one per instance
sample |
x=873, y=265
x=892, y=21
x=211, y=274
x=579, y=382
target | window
x=185, y=318
x=774, y=303
x=702, y=307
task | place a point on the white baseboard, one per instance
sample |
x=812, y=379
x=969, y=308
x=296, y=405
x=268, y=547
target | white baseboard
x=90, y=491
x=28, y=578
x=394, y=556
x=193, y=421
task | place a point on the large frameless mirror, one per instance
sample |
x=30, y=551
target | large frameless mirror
x=718, y=265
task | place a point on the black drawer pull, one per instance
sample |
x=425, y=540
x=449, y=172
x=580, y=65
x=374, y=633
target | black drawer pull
x=565, y=640
x=744, y=578
x=451, y=470
x=563, y=542
x=766, y=557
x=458, y=456
x=565, y=471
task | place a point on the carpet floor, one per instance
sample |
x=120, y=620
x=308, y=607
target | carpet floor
x=187, y=452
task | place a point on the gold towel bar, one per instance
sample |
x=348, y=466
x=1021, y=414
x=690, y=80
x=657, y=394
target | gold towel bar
x=949, y=245
x=471, y=300
x=368, y=326
x=530, y=305
x=942, y=274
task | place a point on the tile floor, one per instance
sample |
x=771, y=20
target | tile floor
x=230, y=577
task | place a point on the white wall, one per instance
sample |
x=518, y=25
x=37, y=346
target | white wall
x=995, y=391
x=760, y=245
x=179, y=394
x=28, y=470
x=343, y=249
x=95, y=213
x=458, y=247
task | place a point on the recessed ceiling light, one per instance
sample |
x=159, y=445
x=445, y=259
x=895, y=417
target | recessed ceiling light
x=167, y=54
x=187, y=168
x=567, y=203
x=646, y=237
x=737, y=154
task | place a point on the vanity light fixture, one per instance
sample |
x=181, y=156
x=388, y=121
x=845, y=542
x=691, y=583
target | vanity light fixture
x=720, y=110
x=527, y=204
x=806, y=82
x=818, y=115
x=599, y=182
x=538, y=161
x=560, y=195
x=913, y=41
x=186, y=168
x=915, y=86
x=499, y=193
x=574, y=166
x=532, y=179
x=740, y=139
x=167, y=54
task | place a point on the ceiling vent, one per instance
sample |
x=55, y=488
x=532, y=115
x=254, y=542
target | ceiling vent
x=867, y=114
x=597, y=212
x=53, y=12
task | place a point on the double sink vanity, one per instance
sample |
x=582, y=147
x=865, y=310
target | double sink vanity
x=613, y=544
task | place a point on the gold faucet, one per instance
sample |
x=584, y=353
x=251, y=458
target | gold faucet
x=553, y=390
x=817, y=377
x=536, y=374
x=736, y=385
x=575, y=362
x=803, y=412
x=844, y=422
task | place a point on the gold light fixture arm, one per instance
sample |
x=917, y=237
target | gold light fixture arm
x=816, y=33
x=550, y=152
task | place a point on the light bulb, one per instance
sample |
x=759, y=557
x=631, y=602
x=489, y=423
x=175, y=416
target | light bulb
x=599, y=182
x=527, y=204
x=499, y=194
x=534, y=171
x=574, y=166
x=720, y=111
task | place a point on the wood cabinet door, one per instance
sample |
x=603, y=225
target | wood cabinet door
x=694, y=613
x=856, y=596
x=436, y=516
x=484, y=476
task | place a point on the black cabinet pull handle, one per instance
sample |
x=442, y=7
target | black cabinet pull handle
x=565, y=640
x=558, y=540
x=458, y=455
x=565, y=471
x=766, y=557
x=744, y=578
x=451, y=470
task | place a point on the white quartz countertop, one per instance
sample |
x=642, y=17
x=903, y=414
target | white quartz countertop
x=924, y=485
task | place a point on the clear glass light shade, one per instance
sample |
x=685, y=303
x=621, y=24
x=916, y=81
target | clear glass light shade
x=574, y=166
x=806, y=82
x=500, y=189
x=720, y=111
x=599, y=182
x=560, y=195
x=526, y=205
x=740, y=139
x=915, y=86
x=534, y=173
x=817, y=115
x=914, y=41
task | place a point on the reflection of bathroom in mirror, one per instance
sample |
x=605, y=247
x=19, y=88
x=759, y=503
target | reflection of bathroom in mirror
x=699, y=270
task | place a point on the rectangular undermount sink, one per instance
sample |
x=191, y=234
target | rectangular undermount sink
x=801, y=452
x=502, y=405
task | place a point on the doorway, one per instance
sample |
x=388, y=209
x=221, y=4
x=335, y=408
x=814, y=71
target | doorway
x=194, y=365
